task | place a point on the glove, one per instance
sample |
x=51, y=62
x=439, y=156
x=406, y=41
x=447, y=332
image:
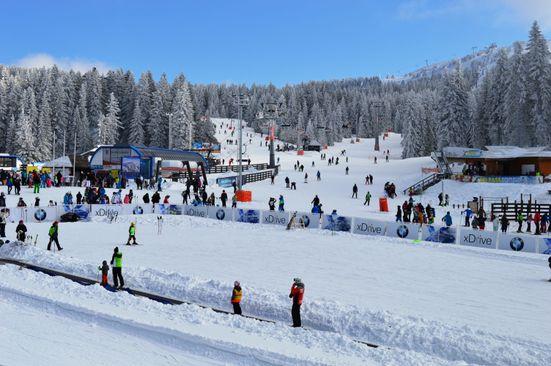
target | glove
x=290, y=296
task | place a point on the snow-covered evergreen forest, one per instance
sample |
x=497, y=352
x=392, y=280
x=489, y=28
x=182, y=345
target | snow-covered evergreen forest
x=508, y=103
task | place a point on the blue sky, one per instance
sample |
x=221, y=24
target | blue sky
x=280, y=41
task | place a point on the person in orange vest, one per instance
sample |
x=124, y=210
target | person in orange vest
x=236, y=295
x=297, y=292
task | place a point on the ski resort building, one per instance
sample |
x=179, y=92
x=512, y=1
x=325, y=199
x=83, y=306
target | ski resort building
x=131, y=161
x=500, y=163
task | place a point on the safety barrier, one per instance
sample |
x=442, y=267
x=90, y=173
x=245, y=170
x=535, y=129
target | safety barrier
x=363, y=226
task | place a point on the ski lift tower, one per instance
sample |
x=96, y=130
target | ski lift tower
x=377, y=106
x=242, y=101
x=270, y=113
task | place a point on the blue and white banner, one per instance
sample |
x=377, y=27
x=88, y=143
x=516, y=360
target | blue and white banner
x=109, y=211
x=247, y=215
x=403, y=230
x=137, y=209
x=83, y=211
x=309, y=220
x=439, y=234
x=220, y=213
x=478, y=238
x=544, y=245
x=275, y=218
x=42, y=214
x=368, y=227
x=517, y=243
x=336, y=223
x=197, y=211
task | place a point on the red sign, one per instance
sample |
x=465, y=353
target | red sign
x=430, y=170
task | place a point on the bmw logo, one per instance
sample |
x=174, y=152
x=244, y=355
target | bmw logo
x=138, y=210
x=305, y=220
x=40, y=215
x=517, y=244
x=402, y=231
x=220, y=214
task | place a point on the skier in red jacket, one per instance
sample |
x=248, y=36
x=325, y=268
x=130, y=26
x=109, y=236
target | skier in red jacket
x=297, y=292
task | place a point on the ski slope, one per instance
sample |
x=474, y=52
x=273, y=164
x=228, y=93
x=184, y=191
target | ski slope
x=425, y=304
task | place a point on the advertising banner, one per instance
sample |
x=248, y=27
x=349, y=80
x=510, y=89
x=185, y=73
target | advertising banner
x=137, y=209
x=12, y=214
x=308, y=220
x=544, y=245
x=403, y=230
x=83, y=211
x=517, y=243
x=245, y=215
x=131, y=166
x=368, y=227
x=109, y=211
x=478, y=238
x=336, y=223
x=275, y=218
x=226, y=182
x=220, y=213
x=41, y=214
x=439, y=234
x=197, y=211
x=168, y=209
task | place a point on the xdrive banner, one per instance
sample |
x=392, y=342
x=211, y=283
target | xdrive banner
x=478, y=238
x=246, y=215
x=368, y=227
x=275, y=218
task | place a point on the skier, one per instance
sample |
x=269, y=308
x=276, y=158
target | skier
x=132, y=234
x=53, y=234
x=366, y=180
x=305, y=177
x=145, y=198
x=224, y=198
x=237, y=294
x=346, y=171
x=281, y=206
x=79, y=198
x=537, y=220
x=370, y=179
x=234, y=201
x=116, y=262
x=287, y=182
x=504, y=223
x=367, y=198
x=399, y=214
x=447, y=219
x=21, y=203
x=354, y=191
x=2, y=200
x=21, y=231
x=297, y=292
x=529, y=220
x=316, y=201
x=104, y=268
x=37, y=202
x=156, y=198
x=495, y=223
x=440, y=198
x=520, y=219
x=2, y=224
x=271, y=204
x=318, y=175
x=468, y=213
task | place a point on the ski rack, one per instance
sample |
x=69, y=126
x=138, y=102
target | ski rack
x=84, y=281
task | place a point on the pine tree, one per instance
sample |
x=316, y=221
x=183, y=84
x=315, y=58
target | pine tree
x=136, y=133
x=182, y=118
x=454, y=112
x=24, y=136
x=110, y=123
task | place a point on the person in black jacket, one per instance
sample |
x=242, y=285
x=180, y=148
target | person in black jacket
x=145, y=198
x=79, y=198
x=3, y=224
x=224, y=198
x=2, y=200
x=21, y=231
x=156, y=198
x=104, y=268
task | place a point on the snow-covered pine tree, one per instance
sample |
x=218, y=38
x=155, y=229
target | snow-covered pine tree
x=516, y=111
x=454, y=112
x=182, y=118
x=136, y=127
x=25, y=145
x=110, y=123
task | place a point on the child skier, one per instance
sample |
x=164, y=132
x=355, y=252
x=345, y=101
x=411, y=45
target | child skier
x=132, y=234
x=104, y=268
x=236, y=296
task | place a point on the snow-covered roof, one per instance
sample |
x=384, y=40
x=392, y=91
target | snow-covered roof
x=498, y=152
x=62, y=161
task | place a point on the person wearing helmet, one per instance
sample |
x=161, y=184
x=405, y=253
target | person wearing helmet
x=236, y=295
x=132, y=234
x=297, y=292
x=21, y=231
x=53, y=236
